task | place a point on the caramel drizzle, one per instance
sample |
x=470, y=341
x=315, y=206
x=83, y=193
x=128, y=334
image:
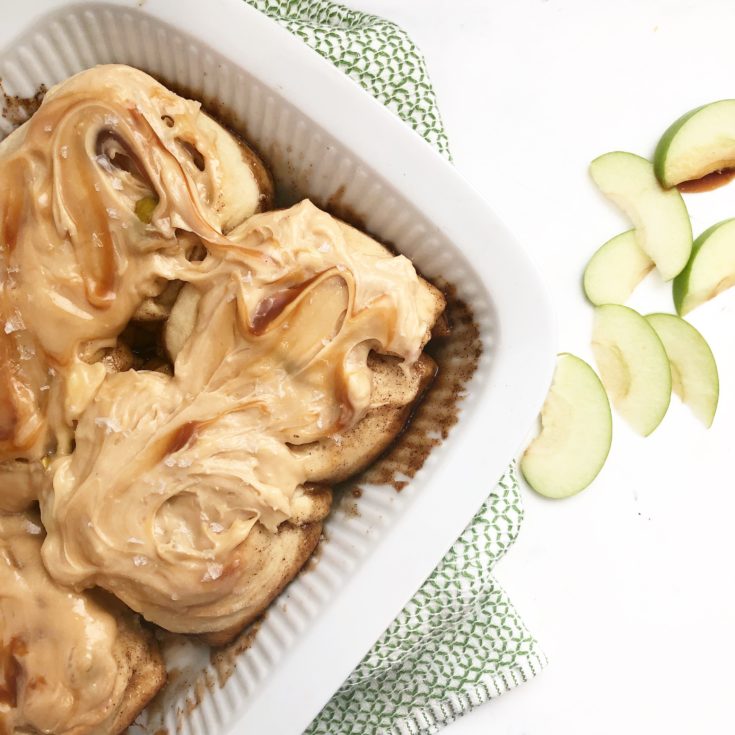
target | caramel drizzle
x=12, y=670
x=13, y=183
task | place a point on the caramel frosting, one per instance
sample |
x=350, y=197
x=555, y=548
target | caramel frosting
x=75, y=258
x=58, y=672
x=155, y=481
x=169, y=475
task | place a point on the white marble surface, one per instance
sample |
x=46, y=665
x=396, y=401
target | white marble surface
x=629, y=586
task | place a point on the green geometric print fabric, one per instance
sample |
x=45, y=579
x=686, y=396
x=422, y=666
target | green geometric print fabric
x=459, y=642
x=377, y=54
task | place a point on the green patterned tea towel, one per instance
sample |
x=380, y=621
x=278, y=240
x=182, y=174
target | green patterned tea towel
x=459, y=641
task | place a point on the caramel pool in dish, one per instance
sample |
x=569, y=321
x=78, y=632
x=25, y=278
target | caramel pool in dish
x=191, y=485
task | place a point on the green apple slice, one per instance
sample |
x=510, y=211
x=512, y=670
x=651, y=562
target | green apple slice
x=663, y=229
x=576, y=432
x=693, y=369
x=615, y=270
x=697, y=144
x=633, y=366
x=711, y=269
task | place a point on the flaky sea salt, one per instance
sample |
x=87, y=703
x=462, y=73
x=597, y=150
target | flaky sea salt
x=33, y=528
x=26, y=352
x=325, y=247
x=14, y=324
x=135, y=540
x=110, y=424
x=104, y=163
x=215, y=527
x=139, y=560
x=64, y=151
x=214, y=571
x=182, y=462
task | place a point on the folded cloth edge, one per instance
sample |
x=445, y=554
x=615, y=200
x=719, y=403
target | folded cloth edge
x=375, y=700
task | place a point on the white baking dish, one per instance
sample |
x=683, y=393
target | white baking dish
x=323, y=132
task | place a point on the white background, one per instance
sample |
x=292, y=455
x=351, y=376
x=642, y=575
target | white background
x=628, y=586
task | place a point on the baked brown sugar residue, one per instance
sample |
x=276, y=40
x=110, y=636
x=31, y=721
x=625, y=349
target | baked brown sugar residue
x=349, y=507
x=457, y=355
x=16, y=109
x=336, y=206
x=201, y=688
x=224, y=660
x=316, y=555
